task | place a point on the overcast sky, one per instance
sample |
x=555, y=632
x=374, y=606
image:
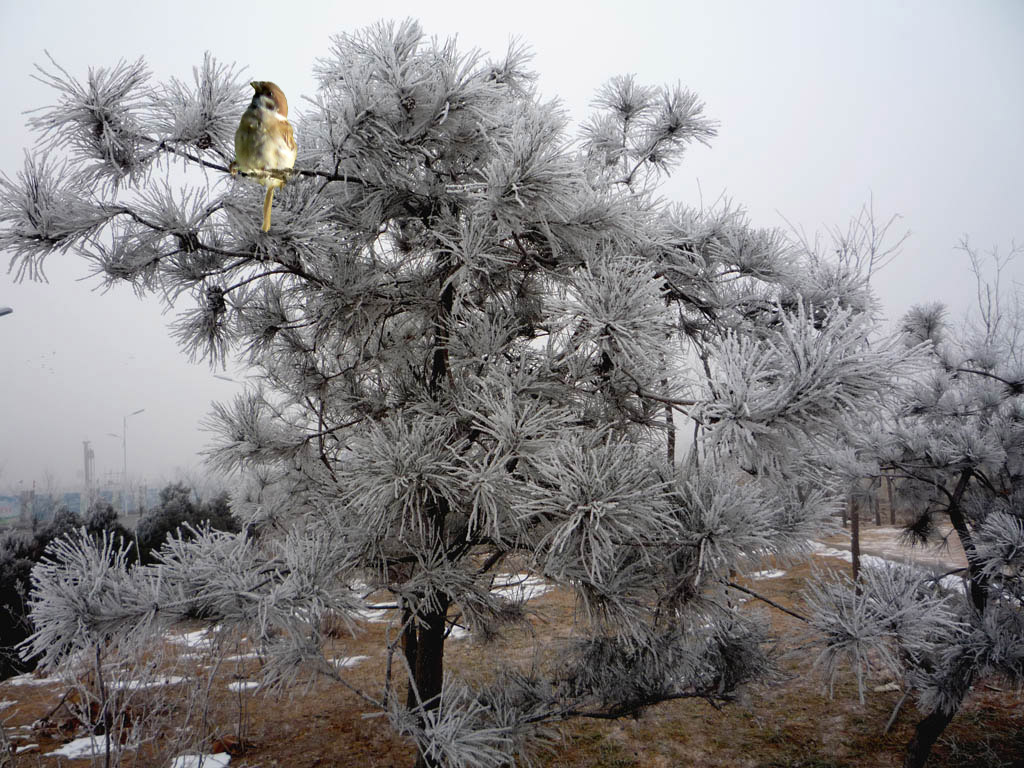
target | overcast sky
x=822, y=105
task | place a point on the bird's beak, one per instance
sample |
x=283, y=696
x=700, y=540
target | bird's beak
x=253, y=84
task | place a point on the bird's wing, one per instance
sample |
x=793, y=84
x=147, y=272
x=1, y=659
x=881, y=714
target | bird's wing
x=289, y=136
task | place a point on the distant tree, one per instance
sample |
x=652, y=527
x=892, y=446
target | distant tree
x=176, y=495
x=19, y=553
x=956, y=445
x=476, y=336
x=63, y=522
x=177, y=513
x=15, y=580
x=100, y=517
x=217, y=514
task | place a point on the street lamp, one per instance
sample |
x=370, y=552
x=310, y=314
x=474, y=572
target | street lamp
x=124, y=453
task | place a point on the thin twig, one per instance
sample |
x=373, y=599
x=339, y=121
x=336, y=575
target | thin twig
x=895, y=712
x=772, y=603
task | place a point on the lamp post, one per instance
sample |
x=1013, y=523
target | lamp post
x=124, y=454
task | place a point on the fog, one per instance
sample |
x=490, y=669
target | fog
x=918, y=106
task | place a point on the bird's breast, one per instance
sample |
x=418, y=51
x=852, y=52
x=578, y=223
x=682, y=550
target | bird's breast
x=261, y=145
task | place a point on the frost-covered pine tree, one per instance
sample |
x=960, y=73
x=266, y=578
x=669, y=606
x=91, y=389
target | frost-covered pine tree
x=477, y=337
x=955, y=442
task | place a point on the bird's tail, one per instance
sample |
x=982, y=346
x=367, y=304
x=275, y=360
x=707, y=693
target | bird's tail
x=267, y=202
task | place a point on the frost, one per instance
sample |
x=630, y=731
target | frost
x=477, y=339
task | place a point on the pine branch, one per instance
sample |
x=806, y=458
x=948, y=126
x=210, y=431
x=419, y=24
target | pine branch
x=764, y=599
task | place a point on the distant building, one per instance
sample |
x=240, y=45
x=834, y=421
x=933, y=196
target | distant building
x=76, y=502
x=10, y=510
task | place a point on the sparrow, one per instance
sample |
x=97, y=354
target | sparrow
x=265, y=141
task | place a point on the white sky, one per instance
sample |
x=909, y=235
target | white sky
x=821, y=104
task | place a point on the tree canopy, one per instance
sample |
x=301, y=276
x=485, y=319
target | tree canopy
x=480, y=336
x=954, y=438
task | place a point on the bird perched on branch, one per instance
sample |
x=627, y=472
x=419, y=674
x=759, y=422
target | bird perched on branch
x=265, y=142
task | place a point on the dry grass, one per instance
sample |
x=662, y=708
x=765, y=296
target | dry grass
x=791, y=724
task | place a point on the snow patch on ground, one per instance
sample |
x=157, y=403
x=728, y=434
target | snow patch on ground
x=953, y=583
x=458, y=633
x=29, y=679
x=243, y=685
x=205, y=761
x=867, y=561
x=242, y=656
x=139, y=685
x=519, y=587
x=822, y=551
x=87, y=746
x=25, y=748
x=348, y=661
x=759, y=575
x=201, y=638
x=5, y=704
x=872, y=561
x=516, y=587
x=374, y=612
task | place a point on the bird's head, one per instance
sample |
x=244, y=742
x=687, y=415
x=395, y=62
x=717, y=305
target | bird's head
x=269, y=96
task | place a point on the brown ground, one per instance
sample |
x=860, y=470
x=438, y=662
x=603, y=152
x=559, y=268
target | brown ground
x=793, y=724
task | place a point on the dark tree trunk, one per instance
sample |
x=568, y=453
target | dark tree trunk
x=854, y=538
x=892, y=501
x=429, y=668
x=876, y=502
x=931, y=727
x=926, y=734
x=670, y=424
x=671, y=437
x=409, y=651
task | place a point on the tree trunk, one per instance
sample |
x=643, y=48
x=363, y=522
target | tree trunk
x=854, y=538
x=931, y=727
x=429, y=669
x=409, y=651
x=670, y=423
x=926, y=734
x=876, y=502
x=671, y=437
x=892, y=501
